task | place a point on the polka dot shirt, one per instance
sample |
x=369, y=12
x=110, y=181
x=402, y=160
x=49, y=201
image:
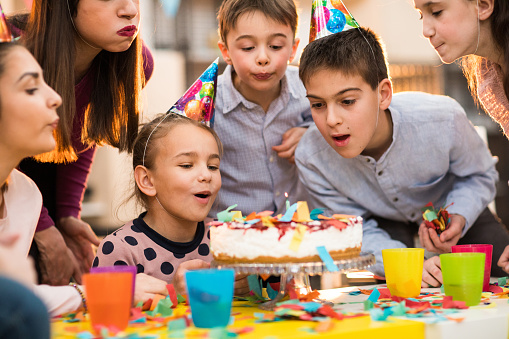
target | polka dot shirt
x=136, y=244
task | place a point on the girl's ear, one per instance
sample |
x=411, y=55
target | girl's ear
x=485, y=8
x=385, y=93
x=144, y=181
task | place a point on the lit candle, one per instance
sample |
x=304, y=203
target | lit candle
x=287, y=201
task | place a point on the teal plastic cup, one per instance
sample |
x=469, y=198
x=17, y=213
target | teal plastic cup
x=463, y=275
x=210, y=295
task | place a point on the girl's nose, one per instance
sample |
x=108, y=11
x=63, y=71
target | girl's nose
x=129, y=9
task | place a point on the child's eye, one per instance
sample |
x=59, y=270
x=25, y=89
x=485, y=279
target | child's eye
x=436, y=13
x=213, y=167
x=317, y=105
x=348, y=102
x=31, y=91
x=247, y=49
x=276, y=47
x=186, y=165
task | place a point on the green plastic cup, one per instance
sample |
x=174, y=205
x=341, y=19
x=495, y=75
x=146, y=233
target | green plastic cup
x=403, y=271
x=463, y=275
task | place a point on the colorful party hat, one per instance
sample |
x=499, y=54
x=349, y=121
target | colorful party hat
x=5, y=32
x=329, y=17
x=197, y=102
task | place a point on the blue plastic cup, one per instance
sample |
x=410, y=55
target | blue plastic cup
x=210, y=295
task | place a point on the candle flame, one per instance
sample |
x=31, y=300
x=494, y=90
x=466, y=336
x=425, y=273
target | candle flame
x=286, y=195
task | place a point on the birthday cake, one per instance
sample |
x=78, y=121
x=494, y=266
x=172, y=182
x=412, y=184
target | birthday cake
x=294, y=237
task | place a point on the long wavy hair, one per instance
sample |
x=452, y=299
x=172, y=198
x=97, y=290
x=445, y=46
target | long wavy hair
x=500, y=31
x=112, y=116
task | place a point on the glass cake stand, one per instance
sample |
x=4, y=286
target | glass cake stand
x=299, y=272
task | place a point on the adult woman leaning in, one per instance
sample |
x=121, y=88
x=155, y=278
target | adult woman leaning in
x=92, y=55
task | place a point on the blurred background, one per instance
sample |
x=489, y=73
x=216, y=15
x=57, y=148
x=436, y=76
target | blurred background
x=183, y=38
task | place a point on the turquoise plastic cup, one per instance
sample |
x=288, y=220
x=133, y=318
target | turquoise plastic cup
x=210, y=295
x=463, y=275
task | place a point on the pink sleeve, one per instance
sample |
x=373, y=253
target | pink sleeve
x=71, y=183
x=45, y=220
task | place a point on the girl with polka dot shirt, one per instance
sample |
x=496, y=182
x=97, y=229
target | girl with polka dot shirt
x=176, y=170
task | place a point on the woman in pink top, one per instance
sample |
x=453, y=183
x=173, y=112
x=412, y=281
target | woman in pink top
x=92, y=55
x=477, y=31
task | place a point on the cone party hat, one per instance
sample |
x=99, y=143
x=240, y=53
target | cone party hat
x=5, y=32
x=329, y=17
x=197, y=102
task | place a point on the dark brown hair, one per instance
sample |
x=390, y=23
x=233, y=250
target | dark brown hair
x=500, y=31
x=145, y=145
x=5, y=49
x=282, y=11
x=112, y=116
x=357, y=51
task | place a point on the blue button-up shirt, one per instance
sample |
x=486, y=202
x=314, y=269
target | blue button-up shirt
x=253, y=175
x=436, y=155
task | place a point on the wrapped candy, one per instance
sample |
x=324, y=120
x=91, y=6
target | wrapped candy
x=437, y=219
x=197, y=102
x=329, y=17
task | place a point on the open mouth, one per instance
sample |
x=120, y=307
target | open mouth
x=341, y=137
x=203, y=195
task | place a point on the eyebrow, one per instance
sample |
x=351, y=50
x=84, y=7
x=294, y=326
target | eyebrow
x=194, y=154
x=34, y=75
x=247, y=36
x=427, y=4
x=338, y=93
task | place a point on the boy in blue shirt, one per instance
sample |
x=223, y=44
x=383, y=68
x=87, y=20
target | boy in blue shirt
x=385, y=157
x=261, y=108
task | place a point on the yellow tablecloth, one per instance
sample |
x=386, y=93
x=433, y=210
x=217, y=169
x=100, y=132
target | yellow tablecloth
x=243, y=313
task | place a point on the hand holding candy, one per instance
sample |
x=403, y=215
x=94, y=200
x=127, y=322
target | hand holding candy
x=442, y=243
x=436, y=219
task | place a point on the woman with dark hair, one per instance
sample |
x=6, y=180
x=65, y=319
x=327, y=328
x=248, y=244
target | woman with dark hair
x=92, y=55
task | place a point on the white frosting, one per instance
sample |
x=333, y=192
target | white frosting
x=242, y=241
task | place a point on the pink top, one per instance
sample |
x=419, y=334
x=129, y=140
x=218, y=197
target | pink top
x=490, y=91
x=137, y=244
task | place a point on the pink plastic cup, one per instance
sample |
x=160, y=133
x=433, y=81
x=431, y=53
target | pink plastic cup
x=479, y=248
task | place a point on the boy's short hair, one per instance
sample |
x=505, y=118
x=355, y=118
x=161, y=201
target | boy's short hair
x=282, y=11
x=354, y=52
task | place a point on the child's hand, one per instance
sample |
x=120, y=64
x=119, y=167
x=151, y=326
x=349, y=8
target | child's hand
x=504, y=260
x=179, y=281
x=433, y=243
x=289, y=143
x=146, y=287
x=432, y=273
x=241, y=285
